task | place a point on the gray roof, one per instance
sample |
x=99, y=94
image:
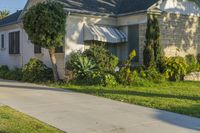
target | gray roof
x=11, y=19
x=111, y=7
x=102, y=7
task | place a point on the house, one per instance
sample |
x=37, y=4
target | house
x=120, y=24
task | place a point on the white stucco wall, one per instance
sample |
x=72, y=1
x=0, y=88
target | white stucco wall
x=75, y=30
x=5, y=57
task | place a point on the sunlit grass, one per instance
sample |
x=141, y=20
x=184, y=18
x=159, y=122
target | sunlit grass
x=12, y=121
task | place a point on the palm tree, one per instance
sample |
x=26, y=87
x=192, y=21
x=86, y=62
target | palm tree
x=4, y=13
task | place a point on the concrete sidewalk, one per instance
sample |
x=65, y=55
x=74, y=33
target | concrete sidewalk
x=81, y=113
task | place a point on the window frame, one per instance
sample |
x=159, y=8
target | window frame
x=2, y=40
x=14, y=42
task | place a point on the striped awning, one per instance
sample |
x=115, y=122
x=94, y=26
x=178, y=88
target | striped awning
x=104, y=34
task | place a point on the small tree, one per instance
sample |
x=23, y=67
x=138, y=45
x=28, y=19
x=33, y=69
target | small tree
x=45, y=26
x=152, y=50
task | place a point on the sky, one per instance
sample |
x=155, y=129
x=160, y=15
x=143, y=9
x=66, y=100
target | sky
x=12, y=5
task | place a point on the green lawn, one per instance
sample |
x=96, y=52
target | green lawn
x=12, y=121
x=179, y=97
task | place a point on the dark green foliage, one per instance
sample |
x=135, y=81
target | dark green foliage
x=3, y=71
x=192, y=62
x=148, y=57
x=82, y=65
x=152, y=75
x=105, y=61
x=36, y=71
x=93, y=67
x=6, y=73
x=175, y=68
x=152, y=51
x=45, y=24
x=96, y=78
x=198, y=58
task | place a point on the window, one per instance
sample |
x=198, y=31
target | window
x=2, y=41
x=112, y=48
x=133, y=40
x=37, y=49
x=14, y=42
x=59, y=49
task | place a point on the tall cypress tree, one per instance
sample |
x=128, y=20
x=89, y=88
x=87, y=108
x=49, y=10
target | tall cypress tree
x=152, y=50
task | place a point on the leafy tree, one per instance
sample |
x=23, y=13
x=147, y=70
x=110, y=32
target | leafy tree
x=45, y=26
x=4, y=13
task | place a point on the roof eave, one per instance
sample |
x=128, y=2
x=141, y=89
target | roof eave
x=89, y=13
x=131, y=13
x=8, y=24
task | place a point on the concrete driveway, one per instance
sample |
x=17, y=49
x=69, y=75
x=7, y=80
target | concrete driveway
x=81, y=113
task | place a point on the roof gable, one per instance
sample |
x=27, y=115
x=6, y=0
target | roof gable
x=11, y=19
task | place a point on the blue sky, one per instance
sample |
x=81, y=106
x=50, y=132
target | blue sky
x=12, y=5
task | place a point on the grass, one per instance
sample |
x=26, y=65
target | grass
x=12, y=121
x=179, y=97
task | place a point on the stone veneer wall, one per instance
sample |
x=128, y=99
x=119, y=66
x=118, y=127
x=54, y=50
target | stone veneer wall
x=180, y=35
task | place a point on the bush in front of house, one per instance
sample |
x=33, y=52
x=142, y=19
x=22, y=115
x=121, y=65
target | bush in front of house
x=6, y=73
x=193, y=65
x=87, y=71
x=36, y=71
x=175, y=68
x=152, y=75
x=126, y=76
x=105, y=61
x=3, y=71
x=198, y=58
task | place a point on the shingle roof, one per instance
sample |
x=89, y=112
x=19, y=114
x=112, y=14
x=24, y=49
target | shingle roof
x=112, y=7
x=11, y=19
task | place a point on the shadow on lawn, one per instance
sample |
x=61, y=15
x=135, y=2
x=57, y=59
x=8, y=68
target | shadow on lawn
x=132, y=92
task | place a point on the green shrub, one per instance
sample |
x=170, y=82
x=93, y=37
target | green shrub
x=36, y=71
x=15, y=74
x=198, y=58
x=6, y=73
x=175, y=68
x=110, y=80
x=192, y=62
x=105, y=61
x=148, y=57
x=96, y=78
x=93, y=66
x=3, y=71
x=125, y=75
x=82, y=66
x=152, y=75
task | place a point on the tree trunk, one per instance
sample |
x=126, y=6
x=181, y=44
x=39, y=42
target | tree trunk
x=54, y=65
